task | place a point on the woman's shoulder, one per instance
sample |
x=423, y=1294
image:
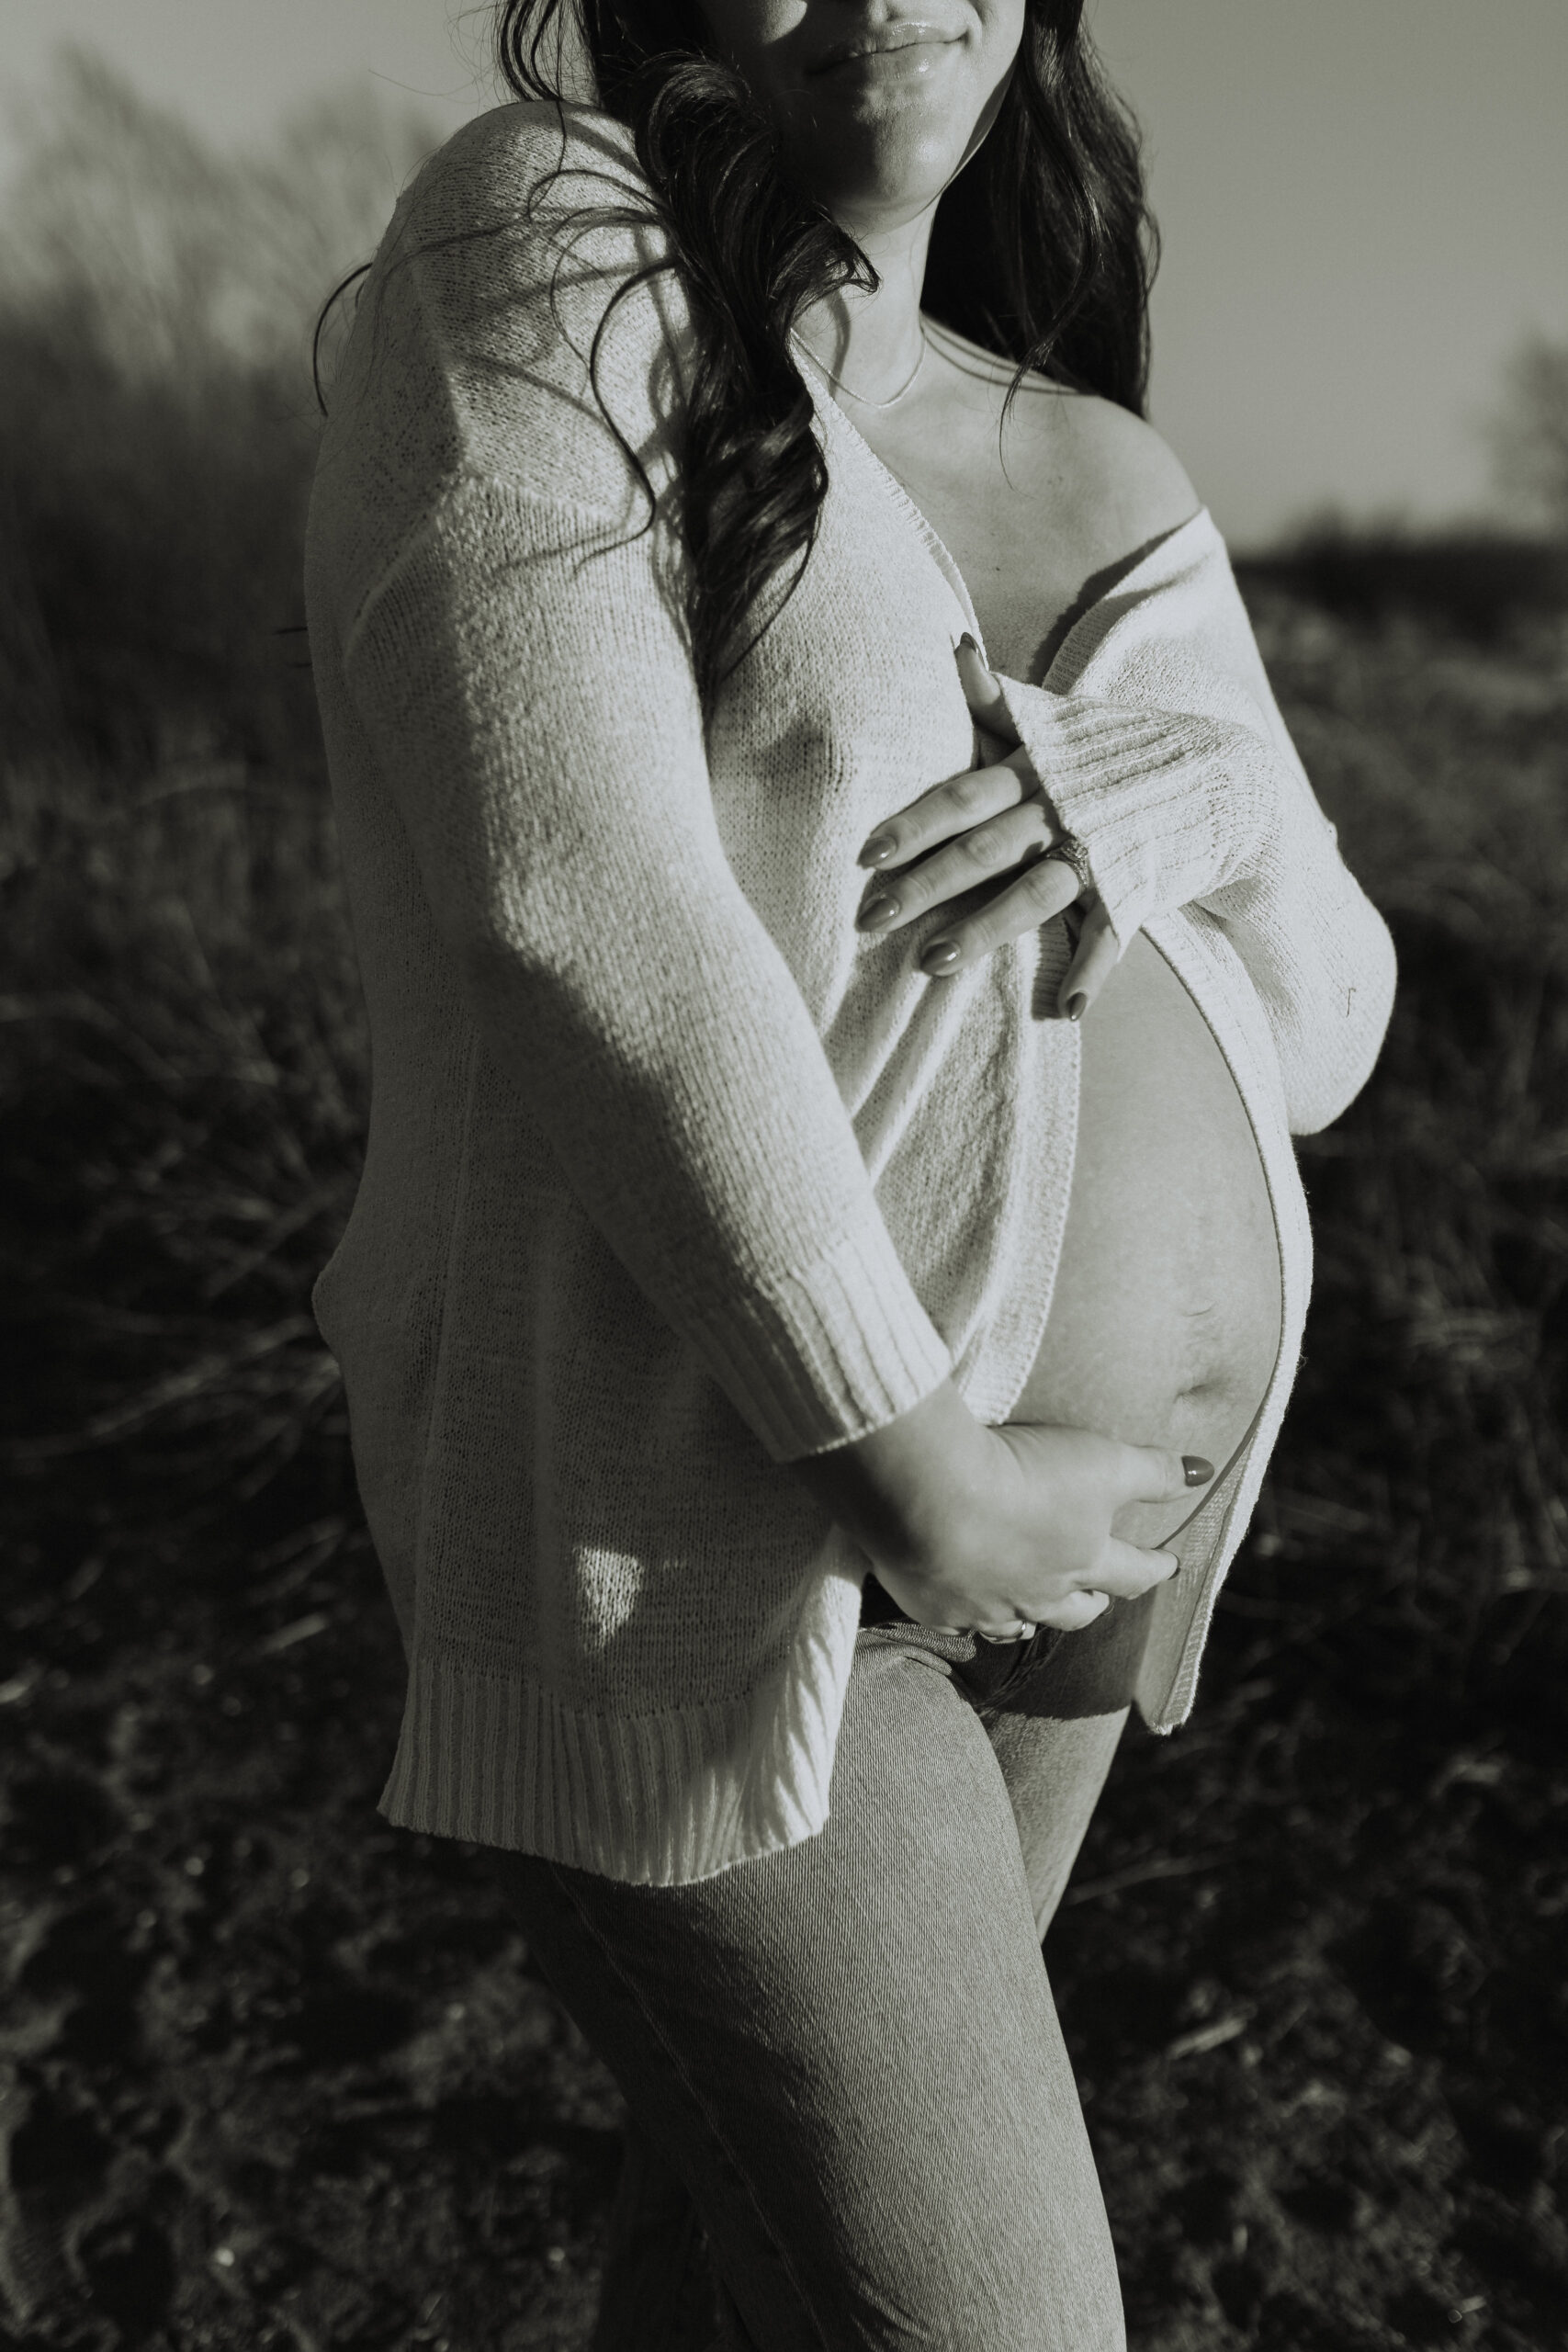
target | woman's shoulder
x=524, y=200
x=521, y=292
x=1105, y=472
x=1126, y=467
x=533, y=160
x=503, y=336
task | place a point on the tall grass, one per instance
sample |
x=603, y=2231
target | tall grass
x=1429, y=1418
x=183, y=1041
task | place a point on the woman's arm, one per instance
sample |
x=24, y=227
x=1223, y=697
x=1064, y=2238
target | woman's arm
x=500, y=652
x=1168, y=760
x=567, y=845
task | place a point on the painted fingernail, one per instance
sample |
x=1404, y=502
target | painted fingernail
x=877, y=911
x=1195, y=1470
x=967, y=641
x=877, y=850
x=940, y=956
x=1077, y=1005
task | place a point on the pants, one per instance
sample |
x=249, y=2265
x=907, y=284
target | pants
x=845, y=2079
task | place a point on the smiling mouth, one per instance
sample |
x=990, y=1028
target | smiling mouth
x=880, y=40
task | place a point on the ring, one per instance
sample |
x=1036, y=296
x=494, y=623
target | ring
x=1075, y=857
x=1021, y=1632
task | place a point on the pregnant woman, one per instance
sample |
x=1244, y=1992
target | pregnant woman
x=847, y=943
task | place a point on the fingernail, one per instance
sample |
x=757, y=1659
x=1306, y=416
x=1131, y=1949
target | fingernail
x=880, y=847
x=1077, y=1005
x=1195, y=1470
x=940, y=956
x=880, y=909
x=967, y=641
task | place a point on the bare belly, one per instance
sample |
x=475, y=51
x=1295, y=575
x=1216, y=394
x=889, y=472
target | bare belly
x=1165, y=1323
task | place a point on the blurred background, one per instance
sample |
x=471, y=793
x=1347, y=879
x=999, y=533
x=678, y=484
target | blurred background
x=273, y=2074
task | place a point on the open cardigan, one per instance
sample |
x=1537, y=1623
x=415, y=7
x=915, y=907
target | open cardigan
x=673, y=1177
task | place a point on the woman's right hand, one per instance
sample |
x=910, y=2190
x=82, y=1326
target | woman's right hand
x=982, y=1528
x=993, y=822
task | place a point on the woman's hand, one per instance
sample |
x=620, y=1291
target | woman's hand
x=991, y=821
x=1039, y=1549
x=985, y=1528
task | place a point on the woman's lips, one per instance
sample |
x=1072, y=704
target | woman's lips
x=901, y=47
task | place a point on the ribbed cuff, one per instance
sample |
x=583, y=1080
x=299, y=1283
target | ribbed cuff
x=830, y=1353
x=1168, y=807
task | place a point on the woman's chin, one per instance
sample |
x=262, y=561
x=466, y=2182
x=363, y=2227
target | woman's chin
x=884, y=161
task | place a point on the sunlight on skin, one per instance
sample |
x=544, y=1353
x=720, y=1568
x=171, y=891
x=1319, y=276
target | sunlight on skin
x=876, y=135
x=876, y=138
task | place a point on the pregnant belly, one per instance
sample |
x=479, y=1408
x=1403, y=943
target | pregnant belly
x=1165, y=1321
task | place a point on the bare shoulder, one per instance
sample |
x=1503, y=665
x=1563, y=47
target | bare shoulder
x=1122, y=468
x=1103, y=477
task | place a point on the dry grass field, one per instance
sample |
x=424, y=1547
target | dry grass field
x=272, y=2073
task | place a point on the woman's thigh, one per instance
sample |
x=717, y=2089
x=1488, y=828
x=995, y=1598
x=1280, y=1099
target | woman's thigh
x=1056, y=1716
x=849, y=2050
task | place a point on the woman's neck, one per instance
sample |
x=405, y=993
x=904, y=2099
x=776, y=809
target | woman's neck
x=871, y=343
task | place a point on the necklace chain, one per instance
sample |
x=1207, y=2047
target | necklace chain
x=839, y=384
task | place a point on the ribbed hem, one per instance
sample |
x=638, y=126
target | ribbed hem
x=656, y=1799
x=829, y=1354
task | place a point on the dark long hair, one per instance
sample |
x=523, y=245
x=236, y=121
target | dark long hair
x=1043, y=250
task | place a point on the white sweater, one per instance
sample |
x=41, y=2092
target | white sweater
x=673, y=1177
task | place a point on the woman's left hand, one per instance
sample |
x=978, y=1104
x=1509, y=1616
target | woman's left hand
x=990, y=822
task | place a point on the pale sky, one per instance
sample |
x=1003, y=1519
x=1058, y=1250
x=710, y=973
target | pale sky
x=1365, y=203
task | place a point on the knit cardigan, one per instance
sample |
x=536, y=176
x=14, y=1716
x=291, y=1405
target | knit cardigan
x=673, y=1177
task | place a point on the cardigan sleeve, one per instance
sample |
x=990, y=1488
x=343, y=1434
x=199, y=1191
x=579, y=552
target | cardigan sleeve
x=528, y=699
x=501, y=599
x=1168, y=759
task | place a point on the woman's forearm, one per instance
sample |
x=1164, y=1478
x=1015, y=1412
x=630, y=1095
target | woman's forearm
x=905, y=1491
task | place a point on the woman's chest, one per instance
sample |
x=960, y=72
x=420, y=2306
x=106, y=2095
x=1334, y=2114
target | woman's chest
x=1015, y=508
x=850, y=705
x=848, y=708
x=1025, y=582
